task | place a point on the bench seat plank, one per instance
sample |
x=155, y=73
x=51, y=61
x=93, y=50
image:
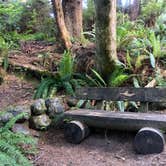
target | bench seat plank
x=118, y=120
x=123, y=94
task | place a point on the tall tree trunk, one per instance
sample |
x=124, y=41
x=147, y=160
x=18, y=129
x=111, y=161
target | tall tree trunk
x=134, y=10
x=64, y=34
x=106, y=35
x=73, y=17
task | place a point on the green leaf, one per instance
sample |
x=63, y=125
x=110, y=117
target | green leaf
x=80, y=103
x=99, y=77
x=136, y=83
x=129, y=60
x=119, y=80
x=152, y=60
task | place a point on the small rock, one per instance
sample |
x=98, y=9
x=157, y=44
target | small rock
x=5, y=117
x=54, y=107
x=40, y=122
x=18, y=110
x=24, y=129
x=38, y=107
x=21, y=128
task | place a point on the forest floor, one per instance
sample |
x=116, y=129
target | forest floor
x=100, y=149
x=16, y=91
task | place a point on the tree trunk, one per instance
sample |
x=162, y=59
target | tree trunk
x=134, y=10
x=106, y=35
x=64, y=34
x=73, y=17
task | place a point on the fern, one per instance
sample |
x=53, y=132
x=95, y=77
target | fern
x=66, y=65
x=5, y=62
x=118, y=77
x=156, y=44
x=43, y=88
x=11, y=151
x=68, y=87
x=99, y=78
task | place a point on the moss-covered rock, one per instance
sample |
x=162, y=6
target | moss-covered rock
x=54, y=107
x=38, y=107
x=40, y=122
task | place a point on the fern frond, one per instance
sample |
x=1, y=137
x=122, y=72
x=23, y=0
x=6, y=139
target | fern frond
x=68, y=87
x=66, y=64
x=42, y=90
x=99, y=77
x=7, y=160
x=14, y=153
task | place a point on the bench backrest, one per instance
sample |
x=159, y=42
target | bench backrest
x=123, y=94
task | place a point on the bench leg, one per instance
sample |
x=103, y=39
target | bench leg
x=75, y=132
x=148, y=141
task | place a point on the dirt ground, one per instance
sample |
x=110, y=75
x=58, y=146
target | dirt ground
x=97, y=150
x=15, y=91
x=100, y=149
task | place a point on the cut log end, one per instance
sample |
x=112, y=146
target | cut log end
x=75, y=132
x=149, y=141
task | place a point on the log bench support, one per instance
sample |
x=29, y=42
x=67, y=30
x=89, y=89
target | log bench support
x=149, y=138
x=76, y=132
x=149, y=141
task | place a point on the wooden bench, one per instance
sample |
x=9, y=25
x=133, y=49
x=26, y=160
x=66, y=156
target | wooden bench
x=150, y=126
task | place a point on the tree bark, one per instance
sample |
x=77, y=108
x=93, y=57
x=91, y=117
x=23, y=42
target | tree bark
x=106, y=35
x=64, y=34
x=134, y=10
x=73, y=17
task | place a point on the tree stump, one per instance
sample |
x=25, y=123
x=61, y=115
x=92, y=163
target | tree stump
x=148, y=141
x=75, y=132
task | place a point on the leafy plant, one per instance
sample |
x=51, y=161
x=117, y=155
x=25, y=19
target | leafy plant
x=156, y=45
x=118, y=77
x=4, y=52
x=65, y=79
x=11, y=145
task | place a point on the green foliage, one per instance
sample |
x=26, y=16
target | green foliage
x=30, y=20
x=11, y=145
x=156, y=44
x=65, y=79
x=118, y=77
x=66, y=65
x=4, y=53
x=10, y=14
x=161, y=82
x=100, y=80
x=36, y=18
x=151, y=9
